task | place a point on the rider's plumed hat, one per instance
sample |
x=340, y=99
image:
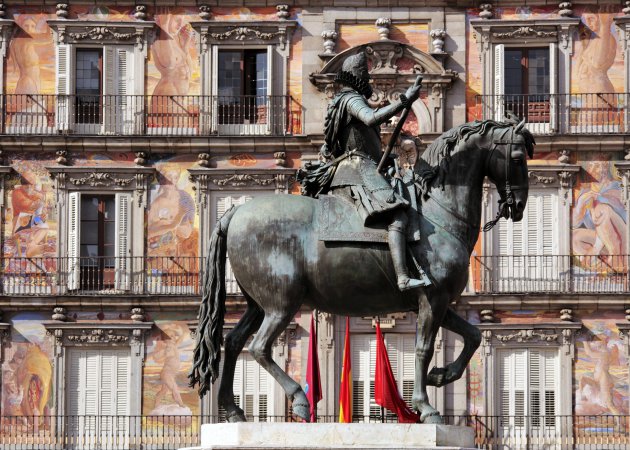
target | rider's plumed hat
x=354, y=73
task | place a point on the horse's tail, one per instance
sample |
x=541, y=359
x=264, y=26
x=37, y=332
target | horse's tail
x=207, y=355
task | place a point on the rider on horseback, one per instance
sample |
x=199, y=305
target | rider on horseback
x=352, y=136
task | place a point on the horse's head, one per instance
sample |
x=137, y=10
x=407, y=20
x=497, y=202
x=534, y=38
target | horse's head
x=506, y=167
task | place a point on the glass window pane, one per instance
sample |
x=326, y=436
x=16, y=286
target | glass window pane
x=110, y=208
x=89, y=208
x=538, y=71
x=89, y=232
x=110, y=233
x=513, y=72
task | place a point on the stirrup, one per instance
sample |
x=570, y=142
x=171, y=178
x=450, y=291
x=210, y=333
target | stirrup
x=406, y=283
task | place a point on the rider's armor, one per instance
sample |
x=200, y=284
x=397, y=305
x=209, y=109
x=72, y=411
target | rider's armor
x=352, y=128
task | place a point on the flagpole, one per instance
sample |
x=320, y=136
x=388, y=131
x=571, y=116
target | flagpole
x=316, y=343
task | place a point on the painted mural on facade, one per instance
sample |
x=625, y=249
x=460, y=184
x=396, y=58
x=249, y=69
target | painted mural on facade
x=596, y=62
x=601, y=369
x=168, y=362
x=27, y=374
x=599, y=234
x=414, y=34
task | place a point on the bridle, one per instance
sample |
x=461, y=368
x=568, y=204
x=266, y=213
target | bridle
x=509, y=190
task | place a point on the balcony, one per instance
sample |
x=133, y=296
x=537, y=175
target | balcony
x=141, y=115
x=560, y=113
x=580, y=274
x=94, y=276
x=536, y=432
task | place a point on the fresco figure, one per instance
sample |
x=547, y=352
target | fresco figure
x=596, y=394
x=597, y=53
x=599, y=215
x=168, y=353
x=171, y=58
x=29, y=226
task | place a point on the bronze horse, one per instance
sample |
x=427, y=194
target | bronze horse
x=280, y=264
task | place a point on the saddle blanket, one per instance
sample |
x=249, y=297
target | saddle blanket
x=338, y=220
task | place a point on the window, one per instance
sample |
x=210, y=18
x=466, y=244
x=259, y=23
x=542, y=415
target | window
x=93, y=86
x=253, y=390
x=528, y=393
x=242, y=89
x=523, y=84
x=99, y=241
x=97, y=396
x=525, y=254
x=401, y=352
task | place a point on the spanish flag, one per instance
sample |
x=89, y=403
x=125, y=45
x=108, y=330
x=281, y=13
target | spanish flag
x=345, y=392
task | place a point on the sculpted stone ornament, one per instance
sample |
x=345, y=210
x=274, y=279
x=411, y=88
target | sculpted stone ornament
x=282, y=259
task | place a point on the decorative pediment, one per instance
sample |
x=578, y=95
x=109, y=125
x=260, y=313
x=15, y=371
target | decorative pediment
x=205, y=180
x=116, y=333
x=259, y=32
x=101, y=32
x=385, y=73
x=555, y=176
x=542, y=334
x=499, y=31
x=133, y=178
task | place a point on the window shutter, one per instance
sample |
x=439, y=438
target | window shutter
x=125, y=101
x=123, y=379
x=553, y=85
x=123, y=238
x=499, y=83
x=63, y=68
x=74, y=240
x=90, y=383
x=361, y=375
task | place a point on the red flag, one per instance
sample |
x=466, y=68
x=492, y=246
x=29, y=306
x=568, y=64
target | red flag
x=345, y=391
x=385, y=389
x=313, y=380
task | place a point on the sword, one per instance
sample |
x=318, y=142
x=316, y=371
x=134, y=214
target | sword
x=399, y=125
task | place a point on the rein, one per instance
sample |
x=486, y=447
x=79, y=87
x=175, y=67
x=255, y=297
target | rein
x=509, y=192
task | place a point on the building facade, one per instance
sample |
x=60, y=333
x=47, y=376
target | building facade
x=128, y=129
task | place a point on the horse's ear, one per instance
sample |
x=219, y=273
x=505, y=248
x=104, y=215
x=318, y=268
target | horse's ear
x=520, y=126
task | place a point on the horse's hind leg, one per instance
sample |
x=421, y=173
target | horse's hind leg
x=275, y=323
x=439, y=376
x=234, y=342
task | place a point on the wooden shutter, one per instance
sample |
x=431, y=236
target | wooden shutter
x=118, y=85
x=64, y=86
x=74, y=240
x=123, y=238
x=553, y=86
x=528, y=383
x=499, y=83
x=253, y=389
x=363, y=349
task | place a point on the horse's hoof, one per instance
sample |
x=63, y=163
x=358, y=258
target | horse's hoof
x=236, y=417
x=436, y=377
x=432, y=417
x=302, y=410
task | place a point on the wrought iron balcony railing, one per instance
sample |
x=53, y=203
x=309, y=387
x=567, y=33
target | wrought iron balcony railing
x=550, y=273
x=146, y=115
x=152, y=275
x=518, y=432
x=600, y=113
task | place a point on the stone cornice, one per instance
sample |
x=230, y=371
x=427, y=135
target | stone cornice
x=550, y=333
x=101, y=32
x=111, y=333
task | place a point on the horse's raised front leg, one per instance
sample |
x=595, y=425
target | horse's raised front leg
x=275, y=323
x=430, y=315
x=234, y=342
x=439, y=376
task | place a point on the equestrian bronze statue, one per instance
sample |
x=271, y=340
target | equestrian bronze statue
x=361, y=243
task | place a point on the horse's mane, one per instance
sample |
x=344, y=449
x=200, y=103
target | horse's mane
x=438, y=155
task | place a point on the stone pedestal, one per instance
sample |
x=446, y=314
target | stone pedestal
x=298, y=436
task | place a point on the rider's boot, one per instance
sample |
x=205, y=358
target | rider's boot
x=398, y=247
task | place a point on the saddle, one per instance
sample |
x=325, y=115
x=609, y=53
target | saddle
x=338, y=220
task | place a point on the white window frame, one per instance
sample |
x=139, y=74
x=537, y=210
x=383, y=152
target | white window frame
x=130, y=187
x=494, y=35
x=275, y=36
x=557, y=179
x=558, y=337
x=128, y=337
x=128, y=38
